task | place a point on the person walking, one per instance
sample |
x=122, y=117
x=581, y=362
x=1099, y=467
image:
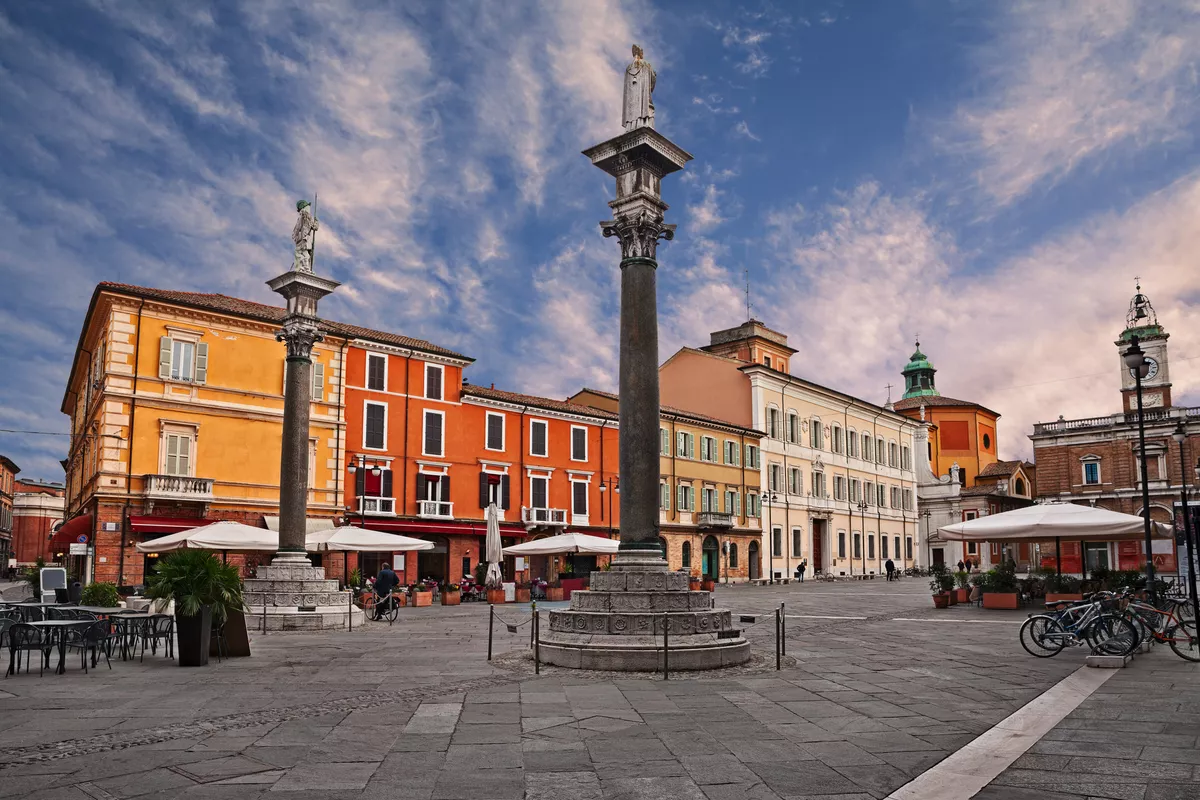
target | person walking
x=890, y=566
x=799, y=576
x=384, y=584
x=960, y=565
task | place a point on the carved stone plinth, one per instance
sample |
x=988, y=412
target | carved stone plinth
x=287, y=585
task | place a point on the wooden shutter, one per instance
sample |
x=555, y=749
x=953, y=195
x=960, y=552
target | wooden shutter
x=691, y=440
x=445, y=481
x=681, y=499
x=360, y=482
x=505, y=498
x=578, y=444
x=201, y=362
x=433, y=434
x=386, y=488
x=422, y=480
x=484, y=490
x=164, y=357
x=578, y=497
x=318, y=387
x=495, y=432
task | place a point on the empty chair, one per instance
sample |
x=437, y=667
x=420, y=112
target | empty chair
x=5, y=624
x=159, y=628
x=95, y=638
x=24, y=638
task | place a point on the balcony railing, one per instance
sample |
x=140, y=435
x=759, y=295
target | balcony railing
x=435, y=509
x=377, y=505
x=1151, y=415
x=715, y=519
x=543, y=516
x=178, y=487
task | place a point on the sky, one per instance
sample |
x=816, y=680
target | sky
x=989, y=176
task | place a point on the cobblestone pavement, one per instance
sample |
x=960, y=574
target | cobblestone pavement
x=878, y=687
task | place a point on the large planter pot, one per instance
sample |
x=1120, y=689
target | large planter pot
x=554, y=593
x=951, y=598
x=451, y=598
x=941, y=601
x=496, y=596
x=194, y=634
x=1063, y=598
x=237, y=640
x=1006, y=600
x=694, y=584
x=522, y=595
x=962, y=595
x=400, y=599
x=422, y=599
x=708, y=584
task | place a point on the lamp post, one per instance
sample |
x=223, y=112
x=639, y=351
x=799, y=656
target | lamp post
x=614, y=483
x=925, y=515
x=1180, y=437
x=1135, y=360
x=862, y=543
x=770, y=497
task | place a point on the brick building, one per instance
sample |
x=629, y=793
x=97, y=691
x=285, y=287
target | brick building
x=37, y=509
x=8, y=477
x=1097, y=460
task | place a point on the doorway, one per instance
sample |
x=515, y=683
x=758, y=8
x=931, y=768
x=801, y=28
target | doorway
x=755, y=562
x=433, y=563
x=818, y=546
x=710, y=561
x=939, y=555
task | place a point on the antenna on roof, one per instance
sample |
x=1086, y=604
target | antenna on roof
x=746, y=272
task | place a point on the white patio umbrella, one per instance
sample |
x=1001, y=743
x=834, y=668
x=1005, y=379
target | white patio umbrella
x=354, y=538
x=565, y=543
x=223, y=535
x=1051, y=521
x=492, y=548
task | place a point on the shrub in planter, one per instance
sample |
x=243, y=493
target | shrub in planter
x=554, y=593
x=100, y=594
x=1000, y=588
x=495, y=596
x=1062, y=588
x=961, y=592
x=451, y=595
x=523, y=594
x=204, y=589
x=355, y=579
x=422, y=595
x=940, y=583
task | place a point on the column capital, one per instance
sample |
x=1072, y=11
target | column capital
x=300, y=332
x=638, y=233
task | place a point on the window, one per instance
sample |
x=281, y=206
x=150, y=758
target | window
x=773, y=423
x=685, y=444
x=816, y=434
x=182, y=359
x=686, y=554
x=733, y=555
x=752, y=461
x=880, y=452
x=767, y=361
x=1091, y=473
x=836, y=439
x=493, y=488
x=777, y=542
x=852, y=444
x=870, y=545
x=708, y=449
x=881, y=499
x=664, y=442
x=377, y=372
x=795, y=481
x=753, y=506
x=869, y=492
x=908, y=547
x=841, y=544
x=539, y=491
x=664, y=496
x=538, y=436
x=896, y=552
x=579, y=501
x=495, y=431
x=374, y=492
x=972, y=548
x=858, y=545
x=1020, y=487
x=733, y=503
x=839, y=487
x=375, y=429
x=987, y=442
x=579, y=443
x=433, y=444
x=708, y=499
x=318, y=381
x=866, y=447
x=183, y=356
x=797, y=542
x=433, y=381
x=731, y=452
x=893, y=454
x=908, y=504
x=895, y=497
x=905, y=457
x=793, y=428
x=178, y=454
x=883, y=547
x=775, y=478
x=685, y=497
x=970, y=515
x=818, y=487
x=855, y=484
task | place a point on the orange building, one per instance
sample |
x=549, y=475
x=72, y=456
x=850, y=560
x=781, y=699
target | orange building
x=37, y=508
x=8, y=477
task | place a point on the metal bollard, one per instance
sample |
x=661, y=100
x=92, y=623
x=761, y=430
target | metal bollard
x=666, y=645
x=491, y=618
x=264, y=616
x=537, y=642
x=783, y=628
x=350, y=619
x=778, y=652
x=533, y=615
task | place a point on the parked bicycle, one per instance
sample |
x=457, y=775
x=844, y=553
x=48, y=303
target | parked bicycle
x=1096, y=622
x=1164, y=623
x=377, y=607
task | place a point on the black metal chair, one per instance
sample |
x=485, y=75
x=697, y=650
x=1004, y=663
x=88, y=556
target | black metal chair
x=95, y=638
x=158, y=628
x=6, y=623
x=34, y=613
x=24, y=638
x=218, y=638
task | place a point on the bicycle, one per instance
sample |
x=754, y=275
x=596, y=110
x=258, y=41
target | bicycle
x=1164, y=626
x=1089, y=622
x=378, y=607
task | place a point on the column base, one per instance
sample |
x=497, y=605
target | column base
x=297, y=597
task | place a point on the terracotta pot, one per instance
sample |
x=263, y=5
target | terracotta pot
x=400, y=599
x=422, y=599
x=495, y=596
x=962, y=595
x=951, y=598
x=941, y=601
x=554, y=593
x=1000, y=600
x=708, y=584
x=522, y=595
x=1063, y=598
x=451, y=598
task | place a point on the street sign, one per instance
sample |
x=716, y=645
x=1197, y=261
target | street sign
x=81, y=538
x=79, y=548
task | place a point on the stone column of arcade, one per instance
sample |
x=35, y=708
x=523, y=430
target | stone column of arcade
x=618, y=623
x=290, y=593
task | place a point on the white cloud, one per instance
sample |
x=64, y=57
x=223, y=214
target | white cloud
x=1069, y=83
x=743, y=129
x=749, y=44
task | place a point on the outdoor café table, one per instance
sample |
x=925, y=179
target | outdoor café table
x=58, y=628
x=37, y=604
x=105, y=611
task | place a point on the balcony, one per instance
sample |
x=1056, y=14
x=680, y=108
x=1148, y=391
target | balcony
x=715, y=519
x=377, y=505
x=435, y=509
x=536, y=517
x=178, y=488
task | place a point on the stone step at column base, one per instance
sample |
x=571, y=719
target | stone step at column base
x=279, y=618
x=642, y=653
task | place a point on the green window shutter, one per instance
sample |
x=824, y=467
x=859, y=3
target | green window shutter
x=201, y=362
x=164, y=357
x=691, y=443
x=664, y=496
x=681, y=500
x=318, y=389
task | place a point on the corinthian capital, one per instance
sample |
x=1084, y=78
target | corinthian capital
x=300, y=333
x=639, y=233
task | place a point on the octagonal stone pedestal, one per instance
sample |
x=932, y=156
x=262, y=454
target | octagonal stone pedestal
x=284, y=587
x=618, y=625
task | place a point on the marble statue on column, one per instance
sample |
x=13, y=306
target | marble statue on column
x=637, y=108
x=304, y=236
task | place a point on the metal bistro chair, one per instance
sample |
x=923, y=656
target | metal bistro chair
x=27, y=639
x=218, y=638
x=126, y=633
x=159, y=627
x=96, y=638
x=6, y=622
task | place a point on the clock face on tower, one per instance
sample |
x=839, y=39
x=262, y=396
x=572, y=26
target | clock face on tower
x=1151, y=371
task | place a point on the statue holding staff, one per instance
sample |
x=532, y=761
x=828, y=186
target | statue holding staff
x=304, y=236
x=637, y=109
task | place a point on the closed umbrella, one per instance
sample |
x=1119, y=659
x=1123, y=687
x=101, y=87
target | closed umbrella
x=492, y=548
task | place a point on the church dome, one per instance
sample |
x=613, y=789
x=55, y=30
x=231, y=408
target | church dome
x=918, y=375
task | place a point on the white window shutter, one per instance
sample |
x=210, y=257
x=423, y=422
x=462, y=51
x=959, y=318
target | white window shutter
x=318, y=389
x=164, y=357
x=201, y=362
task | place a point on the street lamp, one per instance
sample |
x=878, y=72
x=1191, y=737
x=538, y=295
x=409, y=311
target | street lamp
x=770, y=498
x=1180, y=437
x=613, y=481
x=926, y=514
x=1135, y=360
x=863, y=505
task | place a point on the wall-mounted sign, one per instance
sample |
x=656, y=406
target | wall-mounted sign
x=81, y=538
x=79, y=548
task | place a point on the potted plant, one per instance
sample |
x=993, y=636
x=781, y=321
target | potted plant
x=941, y=599
x=554, y=592
x=450, y=594
x=1000, y=588
x=422, y=595
x=694, y=580
x=961, y=592
x=355, y=579
x=203, y=589
x=1062, y=588
x=524, y=595
x=100, y=594
x=495, y=596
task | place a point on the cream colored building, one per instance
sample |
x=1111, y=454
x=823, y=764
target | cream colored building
x=836, y=473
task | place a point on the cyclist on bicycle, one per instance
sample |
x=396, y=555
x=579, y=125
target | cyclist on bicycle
x=384, y=584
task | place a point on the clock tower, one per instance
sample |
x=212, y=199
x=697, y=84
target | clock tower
x=1142, y=322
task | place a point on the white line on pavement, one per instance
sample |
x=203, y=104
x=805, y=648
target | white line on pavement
x=962, y=774
x=970, y=621
x=817, y=616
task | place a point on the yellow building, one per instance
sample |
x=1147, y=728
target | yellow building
x=709, y=508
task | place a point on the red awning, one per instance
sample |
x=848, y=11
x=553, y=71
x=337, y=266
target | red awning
x=165, y=525
x=435, y=528
x=78, y=529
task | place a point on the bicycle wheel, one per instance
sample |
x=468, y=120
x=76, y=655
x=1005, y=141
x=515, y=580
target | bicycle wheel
x=393, y=611
x=1184, y=641
x=1110, y=635
x=1043, y=636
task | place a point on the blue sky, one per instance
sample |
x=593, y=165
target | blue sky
x=991, y=176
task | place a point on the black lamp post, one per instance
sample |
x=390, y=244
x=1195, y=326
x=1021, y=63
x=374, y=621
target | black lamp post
x=1135, y=360
x=612, y=482
x=770, y=497
x=1180, y=437
x=863, y=505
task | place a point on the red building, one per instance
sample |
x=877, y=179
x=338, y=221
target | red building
x=37, y=507
x=8, y=476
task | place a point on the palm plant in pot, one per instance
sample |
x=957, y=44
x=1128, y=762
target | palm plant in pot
x=962, y=581
x=203, y=589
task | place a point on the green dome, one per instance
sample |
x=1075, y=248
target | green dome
x=918, y=375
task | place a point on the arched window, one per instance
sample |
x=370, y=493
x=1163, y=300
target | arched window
x=1020, y=487
x=687, y=555
x=662, y=544
x=733, y=558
